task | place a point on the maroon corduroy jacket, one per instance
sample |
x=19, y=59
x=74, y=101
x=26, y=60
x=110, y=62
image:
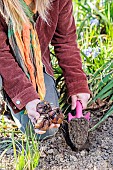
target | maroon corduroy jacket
x=60, y=32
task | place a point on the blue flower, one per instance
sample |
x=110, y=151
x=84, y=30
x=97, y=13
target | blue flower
x=89, y=49
x=94, y=52
x=94, y=22
x=87, y=52
x=81, y=34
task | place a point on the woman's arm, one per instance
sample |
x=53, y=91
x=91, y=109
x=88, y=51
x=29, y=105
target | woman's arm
x=67, y=52
x=15, y=82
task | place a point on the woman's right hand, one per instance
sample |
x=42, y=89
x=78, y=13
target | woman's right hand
x=34, y=115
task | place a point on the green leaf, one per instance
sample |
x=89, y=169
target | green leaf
x=110, y=111
x=105, y=89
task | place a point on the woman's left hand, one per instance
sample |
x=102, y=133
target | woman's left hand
x=82, y=97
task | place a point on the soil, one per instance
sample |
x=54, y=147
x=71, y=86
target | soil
x=76, y=135
x=55, y=154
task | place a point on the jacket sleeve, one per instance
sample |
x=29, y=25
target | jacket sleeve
x=15, y=82
x=67, y=52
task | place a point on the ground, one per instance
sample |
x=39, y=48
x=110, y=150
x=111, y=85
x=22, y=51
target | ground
x=56, y=155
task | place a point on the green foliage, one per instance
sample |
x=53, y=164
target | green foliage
x=28, y=156
x=25, y=149
x=94, y=30
x=109, y=112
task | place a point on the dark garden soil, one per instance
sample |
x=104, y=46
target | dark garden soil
x=56, y=155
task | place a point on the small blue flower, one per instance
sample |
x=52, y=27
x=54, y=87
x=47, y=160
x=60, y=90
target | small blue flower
x=81, y=34
x=87, y=52
x=94, y=22
x=94, y=52
x=90, y=49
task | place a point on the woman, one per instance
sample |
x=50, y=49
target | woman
x=25, y=27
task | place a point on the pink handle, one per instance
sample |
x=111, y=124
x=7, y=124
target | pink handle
x=79, y=113
x=78, y=109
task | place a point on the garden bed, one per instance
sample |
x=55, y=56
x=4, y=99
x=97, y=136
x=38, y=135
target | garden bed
x=56, y=155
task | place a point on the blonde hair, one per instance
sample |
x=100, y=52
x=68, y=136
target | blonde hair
x=13, y=8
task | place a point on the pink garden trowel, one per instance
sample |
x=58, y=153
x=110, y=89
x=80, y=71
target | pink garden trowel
x=75, y=130
x=78, y=113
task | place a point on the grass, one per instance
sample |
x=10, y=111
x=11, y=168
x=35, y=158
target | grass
x=25, y=147
x=28, y=156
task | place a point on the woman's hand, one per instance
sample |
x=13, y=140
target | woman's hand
x=34, y=115
x=82, y=97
